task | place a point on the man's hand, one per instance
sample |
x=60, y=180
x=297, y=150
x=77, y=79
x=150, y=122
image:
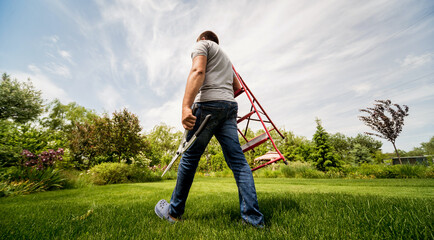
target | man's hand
x=188, y=119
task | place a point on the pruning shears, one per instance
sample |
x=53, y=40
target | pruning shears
x=184, y=146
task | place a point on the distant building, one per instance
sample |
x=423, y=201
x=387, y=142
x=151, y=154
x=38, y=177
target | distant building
x=410, y=160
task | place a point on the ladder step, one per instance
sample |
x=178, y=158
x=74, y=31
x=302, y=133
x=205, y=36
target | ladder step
x=245, y=117
x=255, y=142
x=238, y=92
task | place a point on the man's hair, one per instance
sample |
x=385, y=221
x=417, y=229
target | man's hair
x=208, y=35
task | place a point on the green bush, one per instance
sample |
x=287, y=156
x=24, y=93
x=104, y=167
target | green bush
x=110, y=173
x=225, y=173
x=312, y=173
x=369, y=170
x=270, y=173
x=288, y=171
x=390, y=171
x=76, y=179
x=300, y=170
x=407, y=171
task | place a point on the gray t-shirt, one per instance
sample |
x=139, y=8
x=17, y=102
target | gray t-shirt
x=219, y=74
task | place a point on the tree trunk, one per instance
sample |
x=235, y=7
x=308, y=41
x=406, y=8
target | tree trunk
x=397, y=154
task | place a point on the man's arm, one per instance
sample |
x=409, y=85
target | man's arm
x=194, y=82
x=236, y=84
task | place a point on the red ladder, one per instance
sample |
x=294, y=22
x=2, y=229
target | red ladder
x=262, y=138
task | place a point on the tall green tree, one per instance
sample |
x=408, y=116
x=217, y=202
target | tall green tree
x=19, y=102
x=126, y=137
x=62, y=117
x=386, y=119
x=163, y=142
x=323, y=155
x=342, y=145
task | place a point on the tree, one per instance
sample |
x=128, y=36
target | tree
x=126, y=138
x=360, y=154
x=63, y=117
x=19, y=102
x=323, y=155
x=82, y=143
x=341, y=144
x=107, y=140
x=163, y=142
x=387, y=119
x=428, y=147
x=368, y=142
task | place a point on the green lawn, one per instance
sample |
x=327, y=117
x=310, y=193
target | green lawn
x=293, y=209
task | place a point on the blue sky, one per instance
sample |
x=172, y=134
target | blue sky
x=302, y=59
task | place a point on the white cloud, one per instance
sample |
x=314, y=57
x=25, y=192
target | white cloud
x=412, y=61
x=54, y=38
x=58, y=69
x=65, y=55
x=43, y=83
x=169, y=113
x=110, y=98
x=362, y=88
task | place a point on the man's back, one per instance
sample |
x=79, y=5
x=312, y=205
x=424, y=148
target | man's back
x=219, y=75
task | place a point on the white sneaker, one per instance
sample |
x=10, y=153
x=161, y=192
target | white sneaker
x=162, y=210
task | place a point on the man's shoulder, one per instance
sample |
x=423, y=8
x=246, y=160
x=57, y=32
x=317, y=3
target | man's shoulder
x=207, y=44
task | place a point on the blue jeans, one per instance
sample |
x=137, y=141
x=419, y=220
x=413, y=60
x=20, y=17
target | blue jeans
x=223, y=125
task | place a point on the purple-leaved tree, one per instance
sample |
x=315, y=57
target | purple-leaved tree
x=386, y=119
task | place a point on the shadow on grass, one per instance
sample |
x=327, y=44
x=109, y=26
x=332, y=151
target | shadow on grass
x=228, y=210
x=273, y=206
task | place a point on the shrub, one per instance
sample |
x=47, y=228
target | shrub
x=370, y=170
x=225, y=173
x=16, y=181
x=288, y=171
x=311, y=173
x=110, y=173
x=407, y=171
x=269, y=173
x=76, y=179
x=300, y=169
x=392, y=171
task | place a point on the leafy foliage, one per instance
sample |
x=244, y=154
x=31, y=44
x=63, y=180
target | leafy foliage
x=19, y=180
x=106, y=140
x=19, y=102
x=347, y=148
x=110, y=173
x=163, y=142
x=360, y=154
x=126, y=138
x=15, y=137
x=63, y=117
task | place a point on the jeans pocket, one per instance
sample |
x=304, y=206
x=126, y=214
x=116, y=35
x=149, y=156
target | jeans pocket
x=233, y=112
x=216, y=115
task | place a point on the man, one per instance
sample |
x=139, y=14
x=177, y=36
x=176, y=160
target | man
x=210, y=88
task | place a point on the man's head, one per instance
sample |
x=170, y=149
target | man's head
x=208, y=35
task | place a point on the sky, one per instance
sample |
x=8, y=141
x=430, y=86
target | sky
x=303, y=60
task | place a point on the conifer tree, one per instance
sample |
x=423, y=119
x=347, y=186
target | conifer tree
x=323, y=155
